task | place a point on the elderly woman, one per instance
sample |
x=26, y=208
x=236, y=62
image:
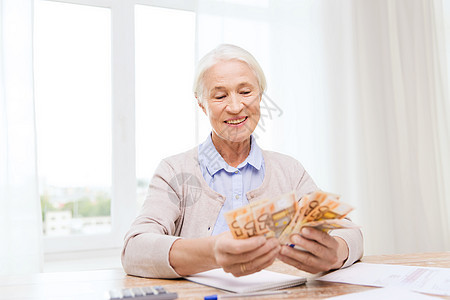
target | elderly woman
x=181, y=229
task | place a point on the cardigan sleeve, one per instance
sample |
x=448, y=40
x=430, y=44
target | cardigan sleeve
x=147, y=244
x=304, y=184
x=354, y=239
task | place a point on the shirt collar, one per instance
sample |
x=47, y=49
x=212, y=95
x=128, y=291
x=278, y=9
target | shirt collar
x=214, y=162
x=255, y=157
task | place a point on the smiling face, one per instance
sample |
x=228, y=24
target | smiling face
x=231, y=100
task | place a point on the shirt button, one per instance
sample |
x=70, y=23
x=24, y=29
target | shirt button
x=237, y=196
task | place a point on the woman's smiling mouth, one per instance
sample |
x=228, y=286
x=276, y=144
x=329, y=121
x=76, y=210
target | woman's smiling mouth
x=236, y=121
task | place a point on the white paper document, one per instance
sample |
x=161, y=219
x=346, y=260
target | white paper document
x=387, y=293
x=421, y=279
x=260, y=281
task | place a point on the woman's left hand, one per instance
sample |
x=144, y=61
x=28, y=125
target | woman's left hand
x=322, y=251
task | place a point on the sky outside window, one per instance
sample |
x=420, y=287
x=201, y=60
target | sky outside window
x=73, y=116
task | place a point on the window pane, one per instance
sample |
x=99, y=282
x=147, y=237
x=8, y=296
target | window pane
x=165, y=105
x=73, y=116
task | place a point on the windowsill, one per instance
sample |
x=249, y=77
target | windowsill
x=83, y=260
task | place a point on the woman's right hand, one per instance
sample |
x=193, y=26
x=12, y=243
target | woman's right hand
x=246, y=256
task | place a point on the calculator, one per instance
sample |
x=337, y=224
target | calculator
x=142, y=293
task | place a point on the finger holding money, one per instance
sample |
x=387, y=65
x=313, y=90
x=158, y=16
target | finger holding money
x=322, y=251
x=257, y=264
x=244, y=256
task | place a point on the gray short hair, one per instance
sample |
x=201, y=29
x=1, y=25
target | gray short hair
x=225, y=52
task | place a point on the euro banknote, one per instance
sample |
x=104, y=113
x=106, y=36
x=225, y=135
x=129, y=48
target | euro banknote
x=282, y=216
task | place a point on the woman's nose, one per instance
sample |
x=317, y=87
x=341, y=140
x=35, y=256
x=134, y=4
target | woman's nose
x=235, y=104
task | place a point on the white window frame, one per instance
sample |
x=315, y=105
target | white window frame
x=123, y=203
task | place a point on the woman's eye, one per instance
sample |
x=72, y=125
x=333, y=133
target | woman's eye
x=245, y=92
x=220, y=97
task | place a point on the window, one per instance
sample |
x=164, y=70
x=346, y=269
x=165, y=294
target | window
x=96, y=140
x=165, y=105
x=73, y=117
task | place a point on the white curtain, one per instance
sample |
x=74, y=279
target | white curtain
x=397, y=124
x=362, y=87
x=20, y=216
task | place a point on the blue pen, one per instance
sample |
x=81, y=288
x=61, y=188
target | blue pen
x=217, y=297
x=297, y=247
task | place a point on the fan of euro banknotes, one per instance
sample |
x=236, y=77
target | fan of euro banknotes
x=282, y=216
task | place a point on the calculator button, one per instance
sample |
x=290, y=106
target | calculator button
x=160, y=290
x=137, y=292
x=127, y=293
x=115, y=294
x=142, y=293
x=148, y=290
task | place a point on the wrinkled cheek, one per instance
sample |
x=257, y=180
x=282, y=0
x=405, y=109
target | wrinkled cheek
x=221, y=129
x=257, y=112
x=257, y=118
